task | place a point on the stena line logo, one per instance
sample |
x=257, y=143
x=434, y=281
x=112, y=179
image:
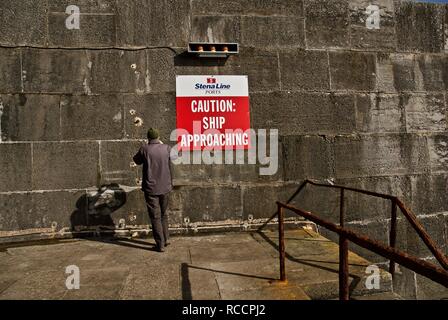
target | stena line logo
x=212, y=85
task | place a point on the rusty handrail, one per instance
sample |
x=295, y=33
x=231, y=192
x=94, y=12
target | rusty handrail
x=422, y=267
x=429, y=270
x=411, y=218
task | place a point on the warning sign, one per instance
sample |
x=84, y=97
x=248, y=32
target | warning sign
x=212, y=112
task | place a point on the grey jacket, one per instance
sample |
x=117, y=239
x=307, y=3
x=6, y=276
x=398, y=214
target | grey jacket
x=155, y=157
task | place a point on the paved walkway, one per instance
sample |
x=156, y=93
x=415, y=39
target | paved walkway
x=227, y=266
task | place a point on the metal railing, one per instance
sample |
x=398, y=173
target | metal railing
x=424, y=268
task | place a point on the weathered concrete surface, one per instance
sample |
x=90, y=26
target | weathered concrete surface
x=23, y=116
x=233, y=266
x=327, y=23
x=15, y=177
x=57, y=157
x=9, y=65
x=424, y=33
x=23, y=23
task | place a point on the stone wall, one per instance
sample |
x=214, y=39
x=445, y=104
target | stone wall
x=360, y=107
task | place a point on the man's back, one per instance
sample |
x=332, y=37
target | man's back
x=155, y=157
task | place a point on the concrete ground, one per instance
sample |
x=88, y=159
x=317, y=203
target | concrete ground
x=225, y=266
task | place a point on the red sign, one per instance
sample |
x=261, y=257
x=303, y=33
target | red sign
x=212, y=112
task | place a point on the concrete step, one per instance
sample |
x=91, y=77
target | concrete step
x=313, y=263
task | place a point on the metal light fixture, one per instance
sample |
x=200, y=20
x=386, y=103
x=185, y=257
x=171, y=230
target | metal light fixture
x=212, y=50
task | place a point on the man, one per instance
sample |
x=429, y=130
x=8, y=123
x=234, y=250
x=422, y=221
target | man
x=156, y=184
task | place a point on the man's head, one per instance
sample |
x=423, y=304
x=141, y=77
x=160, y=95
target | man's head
x=153, y=134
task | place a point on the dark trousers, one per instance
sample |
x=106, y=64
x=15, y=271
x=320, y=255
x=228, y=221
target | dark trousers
x=159, y=218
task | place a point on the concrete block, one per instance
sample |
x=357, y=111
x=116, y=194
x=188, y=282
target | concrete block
x=435, y=226
x=303, y=113
x=14, y=208
x=397, y=72
x=438, y=152
x=272, y=31
x=118, y=71
x=187, y=64
x=362, y=208
x=10, y=70
x=362, y=37
x=215, y=29
x=161, y=70
x=307, y=157
x=251, y=7
x=419, y=26
x=434, y=70
x=94, y=30
x=261, y=67
x=259, y=201
x=378, y=113
x=91, y=117
x=322, y=202
x=306, y=70
x=208, y=204
x=429, y=194
x=29, y=117
x=405, y=283
x=327, y=23
x=23, y=22
x=15, y=164
x=55, y=206
x=352, y=71
x=67, y=165
x=144, y=111
x=380, y=155
x=153, y=23
x=428, y=289
x=411, y=72
x=134, y=210
x=56, y=71
x=117, y=165
x=425, y=113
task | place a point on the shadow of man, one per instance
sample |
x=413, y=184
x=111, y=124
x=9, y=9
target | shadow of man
x=92, y=219
x=94, y=209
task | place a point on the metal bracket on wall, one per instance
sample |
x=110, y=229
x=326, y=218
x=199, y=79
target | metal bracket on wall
x=213, y=50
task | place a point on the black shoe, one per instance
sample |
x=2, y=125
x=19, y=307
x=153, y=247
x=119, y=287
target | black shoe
x=167, y=244
x=159, y=249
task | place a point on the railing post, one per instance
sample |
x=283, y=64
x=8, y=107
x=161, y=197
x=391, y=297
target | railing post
x=343, y=255
x=393, y=234
x=281, y=242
